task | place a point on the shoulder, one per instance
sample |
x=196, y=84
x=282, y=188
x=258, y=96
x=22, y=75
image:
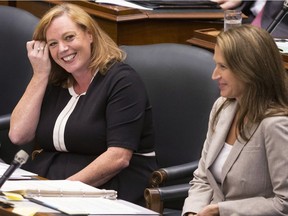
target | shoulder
x=121, y=76
x=219, y=104
x=275, y=123
x=274, y=128
x=121, y=70
x=120, y=67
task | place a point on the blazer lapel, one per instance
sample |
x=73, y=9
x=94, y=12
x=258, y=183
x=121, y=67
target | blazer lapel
x=223, y=125
x=220, y=134
x=235, y=151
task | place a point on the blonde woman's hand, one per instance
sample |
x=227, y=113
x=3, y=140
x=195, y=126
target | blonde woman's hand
x=228, y=4
x=38, y=55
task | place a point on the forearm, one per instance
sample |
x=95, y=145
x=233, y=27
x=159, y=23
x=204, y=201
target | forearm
x=25, y=116
x=104, y=167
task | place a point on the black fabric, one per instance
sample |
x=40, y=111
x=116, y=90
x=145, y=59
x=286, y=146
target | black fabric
x=180, y=4
x=114, y=112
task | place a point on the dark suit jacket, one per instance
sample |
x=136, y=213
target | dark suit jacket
x=271, y=10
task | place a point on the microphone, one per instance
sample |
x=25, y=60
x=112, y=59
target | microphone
x=278, y=18
x=20, y=158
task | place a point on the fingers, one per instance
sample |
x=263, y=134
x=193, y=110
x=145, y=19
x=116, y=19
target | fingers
x=228, y=4
x=36, y=47
x=38, y=54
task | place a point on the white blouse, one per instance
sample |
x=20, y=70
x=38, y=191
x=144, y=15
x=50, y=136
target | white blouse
x=216, y=168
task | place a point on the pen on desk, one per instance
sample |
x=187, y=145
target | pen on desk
x=45, y=204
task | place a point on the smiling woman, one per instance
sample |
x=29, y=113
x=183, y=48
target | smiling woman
x=245, y=152
x=86, y=109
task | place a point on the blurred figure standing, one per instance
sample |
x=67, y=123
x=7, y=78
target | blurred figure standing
x=260, y=13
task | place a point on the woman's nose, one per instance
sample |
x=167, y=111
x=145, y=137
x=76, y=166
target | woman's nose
x=215, y=74
x=63, y=47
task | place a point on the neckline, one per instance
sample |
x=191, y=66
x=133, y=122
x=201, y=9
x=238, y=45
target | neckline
x=72, y=91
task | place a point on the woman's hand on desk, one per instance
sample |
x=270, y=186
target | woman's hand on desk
x=209, y=210
x=228, y=4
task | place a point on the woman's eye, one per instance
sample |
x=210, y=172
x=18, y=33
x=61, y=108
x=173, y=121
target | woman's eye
x=223, y=67
x=52, y=44
x=69, y=37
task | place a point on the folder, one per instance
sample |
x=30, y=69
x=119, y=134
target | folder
x=55, y=188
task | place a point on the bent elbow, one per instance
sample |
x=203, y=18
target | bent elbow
x=126, y=163
x=18, y=138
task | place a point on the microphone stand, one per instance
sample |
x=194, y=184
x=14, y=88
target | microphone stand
x=279, y=17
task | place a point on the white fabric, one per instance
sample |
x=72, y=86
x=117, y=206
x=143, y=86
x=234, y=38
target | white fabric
x=216, y=168
x=257, y=7
x=60, y=124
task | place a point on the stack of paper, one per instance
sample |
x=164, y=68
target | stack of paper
x=92, y=206
x=72, y=197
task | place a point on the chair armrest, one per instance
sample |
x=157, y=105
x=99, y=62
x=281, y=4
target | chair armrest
x=4, y=122
x=163, y=175
x=155, y=197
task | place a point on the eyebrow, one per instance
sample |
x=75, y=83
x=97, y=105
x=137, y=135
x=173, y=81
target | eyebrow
x=65, y=33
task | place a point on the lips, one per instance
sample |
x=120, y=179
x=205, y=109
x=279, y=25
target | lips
x=222, y=85
x=69, y=57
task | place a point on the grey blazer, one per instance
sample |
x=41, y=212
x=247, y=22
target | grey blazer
x=255, y=175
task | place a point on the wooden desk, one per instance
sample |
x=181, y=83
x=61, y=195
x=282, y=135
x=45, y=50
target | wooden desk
x=206, y=38
x=129, y=26
x=8, y=212
x=138, y=210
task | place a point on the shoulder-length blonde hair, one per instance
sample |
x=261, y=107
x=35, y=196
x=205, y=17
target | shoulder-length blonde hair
x=253, y=57
x=103, y=49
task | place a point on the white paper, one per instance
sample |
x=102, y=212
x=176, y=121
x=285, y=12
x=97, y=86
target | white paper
x=282, y=45
x=91, y=206
x=123, y=3
x=18, y=173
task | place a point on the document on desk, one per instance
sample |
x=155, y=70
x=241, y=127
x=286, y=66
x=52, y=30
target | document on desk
x=18, y=174
x=92, y=206
x=122, y=3
x=282, y=45
x=55, y=188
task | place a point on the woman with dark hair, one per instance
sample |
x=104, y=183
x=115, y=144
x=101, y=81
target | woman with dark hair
x=242, y=170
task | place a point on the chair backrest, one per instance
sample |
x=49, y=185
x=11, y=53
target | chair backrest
x=16, y=28
x=181, y=91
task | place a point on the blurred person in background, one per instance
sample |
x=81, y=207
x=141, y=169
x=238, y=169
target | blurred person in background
x=260, y=13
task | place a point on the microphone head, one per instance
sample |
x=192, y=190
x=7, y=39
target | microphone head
x=21, y=157
x=285, y=6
